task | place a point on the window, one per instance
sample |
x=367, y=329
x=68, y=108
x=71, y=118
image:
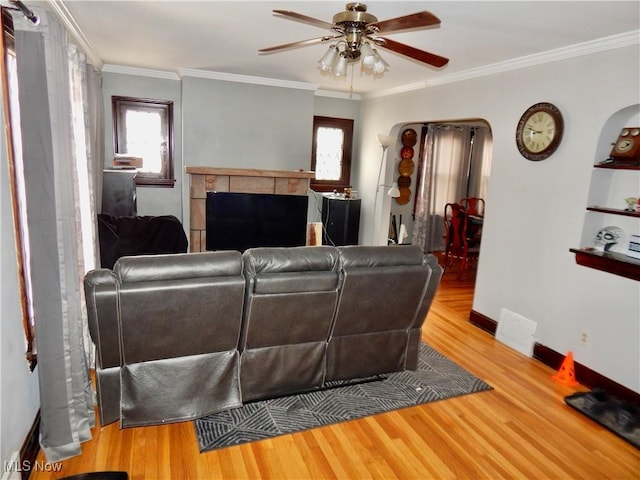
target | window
x=331, y=153
x=144, y=128
x=17, y=183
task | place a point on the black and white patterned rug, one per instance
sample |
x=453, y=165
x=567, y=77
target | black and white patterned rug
x=437, y=378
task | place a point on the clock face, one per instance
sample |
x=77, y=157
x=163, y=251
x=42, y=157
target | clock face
x=539, y=131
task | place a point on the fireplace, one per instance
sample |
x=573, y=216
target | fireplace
x=207, y=179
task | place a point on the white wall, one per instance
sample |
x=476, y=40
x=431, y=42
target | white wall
x=151, y=200
x=535, y=210
x=19, y=400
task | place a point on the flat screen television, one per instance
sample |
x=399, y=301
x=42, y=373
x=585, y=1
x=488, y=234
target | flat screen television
x=238, y=221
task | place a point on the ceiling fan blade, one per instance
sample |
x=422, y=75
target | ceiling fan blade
x=301, y=43
x=304, y=18
x=415, y=20
x=420, y=55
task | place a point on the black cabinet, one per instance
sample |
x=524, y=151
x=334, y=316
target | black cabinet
x=341, y=220
x=119, y=196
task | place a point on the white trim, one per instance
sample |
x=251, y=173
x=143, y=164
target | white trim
x=572, y=51
x=340, y=95
x=231, y=77
x=72, y=27
x=141, y=72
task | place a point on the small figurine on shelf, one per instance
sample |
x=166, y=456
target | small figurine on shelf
x=608, y=237
x=632, y=203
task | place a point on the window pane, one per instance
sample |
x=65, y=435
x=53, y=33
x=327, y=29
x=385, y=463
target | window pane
x=329, y=142
x=144, y=138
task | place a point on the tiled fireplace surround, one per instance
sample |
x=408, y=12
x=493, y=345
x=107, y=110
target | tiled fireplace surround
x=209, y=179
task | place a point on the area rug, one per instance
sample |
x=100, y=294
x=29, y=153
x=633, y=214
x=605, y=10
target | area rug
x=437, y=378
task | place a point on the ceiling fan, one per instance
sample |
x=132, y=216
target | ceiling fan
x=355, y=31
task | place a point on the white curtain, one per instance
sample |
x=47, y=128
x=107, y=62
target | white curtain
x=457, y=162
x=60, y=155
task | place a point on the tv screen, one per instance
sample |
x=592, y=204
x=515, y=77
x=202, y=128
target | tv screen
x=238, y=221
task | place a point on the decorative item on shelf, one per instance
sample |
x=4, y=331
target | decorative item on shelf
x=608, y=237
x=633, y=250
x=626, y=149
x=539, y=131
x=406, y=166
x=632, y=204
x=125, y=161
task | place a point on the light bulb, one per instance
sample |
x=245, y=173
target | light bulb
x=379, y=66
x=340, y=69
x=329, y=58
x=368, y=60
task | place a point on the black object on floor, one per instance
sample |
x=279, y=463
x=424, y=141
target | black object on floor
x=99, y=476
x=437, y=378
x=618, y=416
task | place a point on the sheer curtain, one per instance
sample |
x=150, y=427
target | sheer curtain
x=456, y=165
x=60, y=155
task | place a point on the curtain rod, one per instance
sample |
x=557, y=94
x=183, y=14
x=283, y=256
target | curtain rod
x=26, y=11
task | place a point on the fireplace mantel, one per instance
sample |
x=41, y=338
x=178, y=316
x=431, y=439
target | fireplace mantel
x=251, y=180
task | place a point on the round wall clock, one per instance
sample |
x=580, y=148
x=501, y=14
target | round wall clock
x=539, y=131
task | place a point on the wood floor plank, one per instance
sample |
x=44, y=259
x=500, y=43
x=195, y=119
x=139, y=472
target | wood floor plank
x=521, y=429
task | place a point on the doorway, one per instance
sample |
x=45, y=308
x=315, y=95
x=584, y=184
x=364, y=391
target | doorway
x=454, y=162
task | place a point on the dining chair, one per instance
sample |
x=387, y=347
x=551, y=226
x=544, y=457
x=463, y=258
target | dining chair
x=473, y=205
x=458, y=245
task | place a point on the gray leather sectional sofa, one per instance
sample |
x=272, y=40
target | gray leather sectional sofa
x=180, y=336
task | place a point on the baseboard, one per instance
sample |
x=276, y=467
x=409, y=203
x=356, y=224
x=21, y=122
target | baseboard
x=587, y=377
x=31, y=447
x=483, y=322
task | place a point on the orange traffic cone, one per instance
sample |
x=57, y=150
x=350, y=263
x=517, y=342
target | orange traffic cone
x=567, y=374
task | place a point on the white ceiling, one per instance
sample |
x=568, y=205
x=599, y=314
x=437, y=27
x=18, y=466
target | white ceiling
x=224, y=36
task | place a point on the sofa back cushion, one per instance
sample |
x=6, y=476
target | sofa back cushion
x=289, y=308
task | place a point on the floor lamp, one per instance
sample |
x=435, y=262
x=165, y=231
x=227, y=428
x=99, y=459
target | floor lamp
x=385, y=142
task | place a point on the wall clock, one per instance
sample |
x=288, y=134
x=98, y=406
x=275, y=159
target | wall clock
x=539, y=131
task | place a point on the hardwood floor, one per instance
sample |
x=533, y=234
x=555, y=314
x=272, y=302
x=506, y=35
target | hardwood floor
x=520, y=429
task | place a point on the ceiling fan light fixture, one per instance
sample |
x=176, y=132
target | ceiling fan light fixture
x=379, y=65
x=368, y=59
x=340, y=68
x=329, y=59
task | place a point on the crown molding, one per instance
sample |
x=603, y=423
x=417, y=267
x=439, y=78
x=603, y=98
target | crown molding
x=339, y=95
x=231, y=77
x=141, y=72
x=60, y=9
x=578, y=50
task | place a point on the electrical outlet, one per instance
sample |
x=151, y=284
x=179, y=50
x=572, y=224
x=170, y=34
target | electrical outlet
x=585, y=338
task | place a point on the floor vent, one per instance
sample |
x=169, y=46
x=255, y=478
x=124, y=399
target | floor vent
x=516, y=331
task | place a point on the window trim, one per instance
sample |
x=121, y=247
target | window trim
x=7, y=44
x=346, y=125
x=166, y=178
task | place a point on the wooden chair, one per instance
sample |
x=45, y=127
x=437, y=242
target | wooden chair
x=458, y=246
x=473, y=205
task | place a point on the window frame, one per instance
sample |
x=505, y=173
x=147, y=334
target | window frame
x=8, y=46
x=120, y=105
x=346, y=125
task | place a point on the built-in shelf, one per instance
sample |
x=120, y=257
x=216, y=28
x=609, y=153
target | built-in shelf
x=612, y=262
x=614, y=166
x=614, y=211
